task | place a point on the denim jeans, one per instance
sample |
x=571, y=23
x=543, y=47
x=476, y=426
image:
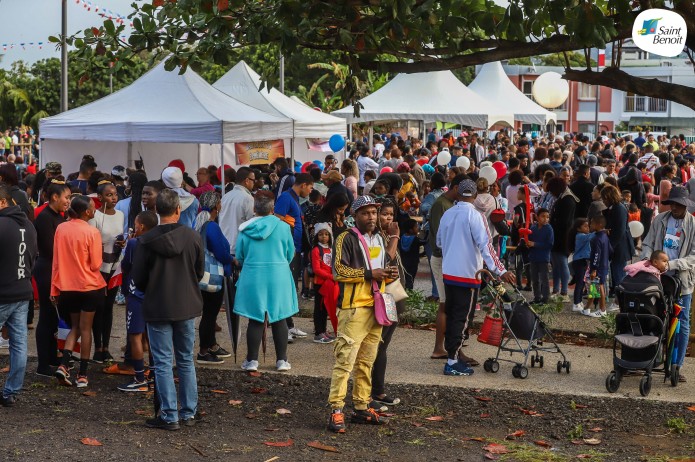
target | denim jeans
x=14, y=317
x=169, y=340
x=684, y=335
x=561, y=272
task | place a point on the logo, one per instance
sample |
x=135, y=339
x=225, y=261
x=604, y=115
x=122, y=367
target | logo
x=649, y=26
x=661, y=32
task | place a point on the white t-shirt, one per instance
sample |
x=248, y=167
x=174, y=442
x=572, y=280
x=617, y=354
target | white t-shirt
x=110, y=227
x=672, y=238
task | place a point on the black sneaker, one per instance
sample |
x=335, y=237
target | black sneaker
x=107, y=356
x=387, y=400
x=98, y=357
x=368, y=416
x=221, y=352
x=157, y=422
x=47, y=371
x=135, y=387
x=8, y=401
x=192, y=421
x=377, y=406
x=208, y=358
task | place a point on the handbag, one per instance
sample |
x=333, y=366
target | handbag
x=384, y=304
x=213, y=274
x=396, y=290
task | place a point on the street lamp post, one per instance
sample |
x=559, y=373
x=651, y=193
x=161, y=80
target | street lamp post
x=64, y=58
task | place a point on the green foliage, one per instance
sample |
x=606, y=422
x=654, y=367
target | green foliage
x=677, y=425
x=418, y=310
x=606, y=329
x=576, y=433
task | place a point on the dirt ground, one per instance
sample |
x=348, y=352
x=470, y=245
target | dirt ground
x=433, y=423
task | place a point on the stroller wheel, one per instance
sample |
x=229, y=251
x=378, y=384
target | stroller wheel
x=533, y=361
x=612, y=382
x=515, y=371
x=523, y=372
x=559, y=367
x=494, y=367
x=567, y=366
x=540, y=362
x=486, y=365
x=645, y=385
x=675, y=375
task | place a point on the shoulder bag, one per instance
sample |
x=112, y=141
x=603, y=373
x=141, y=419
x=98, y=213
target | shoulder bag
x=384, y=304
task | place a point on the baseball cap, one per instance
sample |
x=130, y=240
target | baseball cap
x=467, y=188
x=54, y=167
x=361, y=202
x=119, y=172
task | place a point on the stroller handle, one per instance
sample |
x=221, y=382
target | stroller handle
x=485, y=275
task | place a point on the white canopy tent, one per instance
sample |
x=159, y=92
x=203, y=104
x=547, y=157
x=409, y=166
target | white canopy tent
x=493, y=84
x=161, y=116
x=429, y=97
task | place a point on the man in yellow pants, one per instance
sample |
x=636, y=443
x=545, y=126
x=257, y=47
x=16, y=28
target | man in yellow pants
x=358, y=331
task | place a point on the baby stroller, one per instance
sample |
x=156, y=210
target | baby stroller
x=642, y=330
x=522, y=331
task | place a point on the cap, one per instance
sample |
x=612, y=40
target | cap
x=220, y=170
x=54, y=167
x=467, y=188
x=363, y=201
x=403, y=167
x=119, y=172
x=178, y=163
x=172, y=177
x=678, y=195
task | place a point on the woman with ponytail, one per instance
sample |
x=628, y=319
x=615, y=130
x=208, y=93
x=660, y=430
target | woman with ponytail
x=132, y=205
x=216, y=244
x=77, y=283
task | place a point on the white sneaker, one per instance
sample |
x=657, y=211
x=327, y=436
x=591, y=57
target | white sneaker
x=613, y=308
x=598, y=314
x=577, y=308
x=250, y=366
x=565, y=298
x=290, y=337
x=298, y=332
x=4, y=343
x=282, y=365
x=586, y=312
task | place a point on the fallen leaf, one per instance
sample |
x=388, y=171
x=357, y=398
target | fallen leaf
x=691, y=408
x=386, y=414
x=220, y=392
x=592, y=441
x=484, y=416
x=577, y=442
x=270, y=429
x=584, y=456
x=279, y=444
x=250, y=416
x=91, y=442
x=490, y=456
x=5, y=369
x=417, y=424
x=283, y=411
x=543, y=444
x=480, y=439
x=235, y=402
x=596, y=429
x=516, y=434
x=483, y=398
x=495, y=448
x=258, y=390
x=580, y=406
x=144, y=412
x=255, y=374
x=91, y=394
x=321, y=446
x=435, y=418
x=530, y=412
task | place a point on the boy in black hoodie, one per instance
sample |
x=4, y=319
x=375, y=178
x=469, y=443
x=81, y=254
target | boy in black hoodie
x=168, y=264
x=18, y=250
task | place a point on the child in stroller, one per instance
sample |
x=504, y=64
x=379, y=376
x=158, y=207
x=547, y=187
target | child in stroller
x=642, y=326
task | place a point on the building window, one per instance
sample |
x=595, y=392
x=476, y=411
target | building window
x=637, y=103
x=586, y=91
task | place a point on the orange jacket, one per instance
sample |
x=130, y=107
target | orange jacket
x=77, y=257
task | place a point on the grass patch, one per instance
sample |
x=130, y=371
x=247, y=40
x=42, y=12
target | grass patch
x=677, y=425
x=576, y=433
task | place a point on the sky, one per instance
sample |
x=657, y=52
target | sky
x=24, y=21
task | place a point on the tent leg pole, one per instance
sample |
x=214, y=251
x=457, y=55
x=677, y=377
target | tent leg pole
x=130, y=155
x=371, y=135
x=224, y=184
x=292, y=153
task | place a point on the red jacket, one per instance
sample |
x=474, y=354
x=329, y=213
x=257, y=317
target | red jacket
x=322, y=271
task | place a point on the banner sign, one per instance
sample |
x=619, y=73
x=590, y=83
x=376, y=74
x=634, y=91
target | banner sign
x=259, y=152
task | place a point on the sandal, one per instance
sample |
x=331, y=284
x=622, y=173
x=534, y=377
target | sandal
x=117, y=369
x=444, y=356
x=681, y=378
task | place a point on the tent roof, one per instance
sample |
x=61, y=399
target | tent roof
x=164, y=106
x=429, y=96
x=493, y=84
x=242, y=83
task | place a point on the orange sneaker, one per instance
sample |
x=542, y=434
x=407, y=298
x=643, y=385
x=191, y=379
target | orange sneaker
x=117, y=369
x=337, y=422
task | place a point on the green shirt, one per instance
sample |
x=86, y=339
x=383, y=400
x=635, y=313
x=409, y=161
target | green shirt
x=441, y=205
x=8, y=142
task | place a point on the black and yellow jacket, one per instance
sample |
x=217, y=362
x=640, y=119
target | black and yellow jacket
x=351, y=271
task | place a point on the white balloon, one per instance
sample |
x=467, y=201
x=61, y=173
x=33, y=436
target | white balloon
x=485, y=164
x=488, y=173
x=443, y=158
x=550, y=90
x=636, y=228
x=463, y=162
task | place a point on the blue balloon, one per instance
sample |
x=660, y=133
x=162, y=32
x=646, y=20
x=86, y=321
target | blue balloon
x=297, y=166
x=336, y=143
x=319, y=164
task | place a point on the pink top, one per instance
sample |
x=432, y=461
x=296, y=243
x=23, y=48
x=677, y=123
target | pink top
x=643, y=266
x=351, y=185
x=203, y=188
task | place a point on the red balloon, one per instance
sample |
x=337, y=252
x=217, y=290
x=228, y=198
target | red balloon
x=500, y=168
x=307, y=166
x=422, y=161
x=385, y=170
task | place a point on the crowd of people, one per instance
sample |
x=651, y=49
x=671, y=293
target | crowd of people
x=350, y=235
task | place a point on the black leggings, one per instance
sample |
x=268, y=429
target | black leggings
x=379, y=368
x=46, y=345
x=212, y=301
x=103, y=318
x=320, y=313
x=254, y=335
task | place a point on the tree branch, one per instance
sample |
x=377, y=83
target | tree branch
x=620, y=80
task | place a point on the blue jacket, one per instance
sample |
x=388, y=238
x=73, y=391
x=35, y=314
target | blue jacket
x=542, y=239
x=600, y=253
x=582, y=246
x=126, y=267
x=287, y=206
